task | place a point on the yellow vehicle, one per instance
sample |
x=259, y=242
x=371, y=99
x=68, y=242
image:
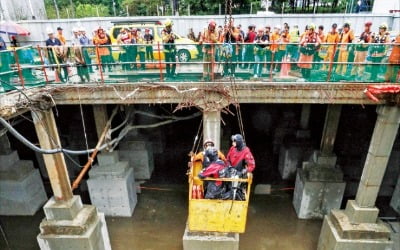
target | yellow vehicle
x=186, y=48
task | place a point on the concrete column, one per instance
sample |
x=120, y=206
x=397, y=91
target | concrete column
x=5, y=147
x=395, y=202
x=332, y=119
x=68, y=224
x=305, y=116
x=358, y=226
x=100, y=118
x=47, y=133
x=319, y=183
x=382, y=141
x=212, y=126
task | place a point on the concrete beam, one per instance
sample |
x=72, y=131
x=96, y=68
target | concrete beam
x=100, y=118
x=382, y=141
x=332, y=119
x=14, y=103
x=212, y=127
x=47, y=133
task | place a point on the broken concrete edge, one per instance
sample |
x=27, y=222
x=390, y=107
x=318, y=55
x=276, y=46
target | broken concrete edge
x=330, y=239
x=193, y=240
x=78, y=226
x=365, y=231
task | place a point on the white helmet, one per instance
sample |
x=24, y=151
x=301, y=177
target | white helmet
x=49, y=31
x=278, y=27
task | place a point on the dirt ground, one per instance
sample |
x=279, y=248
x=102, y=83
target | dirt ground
x=159, y=222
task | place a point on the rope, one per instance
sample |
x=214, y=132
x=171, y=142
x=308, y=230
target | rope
x=83, y=125
x=196, y=138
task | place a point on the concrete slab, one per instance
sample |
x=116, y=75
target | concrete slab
x=210, y=240
x=314, y=199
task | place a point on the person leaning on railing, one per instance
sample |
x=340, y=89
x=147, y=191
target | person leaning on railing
x=345, y=38
x=209, y=37
x=85, y=41
x=168, y=38
x=149, y=40
x=378, y=50
x=361, y=51
x=260, y=47
x=308, y=46
x=393, y=69
x=124, y=38
x=103, y=51
x=331, y=38
x=141, y=49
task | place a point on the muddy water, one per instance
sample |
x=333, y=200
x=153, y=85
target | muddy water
x=159, y=222
x=160, y=216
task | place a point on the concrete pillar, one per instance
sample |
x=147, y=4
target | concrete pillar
x=296, y=149
x=212, y=126
x=112, y=186
x=331, y=125
x=5, y=147
x=21, y=188
x=47, y=133
x=319, y=183
x=139, y=154
x=100, y=118
x=68, y=224
x=358, y=226
x=395, y=202
x=305, y=116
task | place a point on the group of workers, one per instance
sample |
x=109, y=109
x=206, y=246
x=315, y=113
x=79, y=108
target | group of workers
x=238, y=162
x=313, y=49
x=337, y=51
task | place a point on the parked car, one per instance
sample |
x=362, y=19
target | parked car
x=186, y=48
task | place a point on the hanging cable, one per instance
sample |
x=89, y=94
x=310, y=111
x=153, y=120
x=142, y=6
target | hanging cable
x=83, y=122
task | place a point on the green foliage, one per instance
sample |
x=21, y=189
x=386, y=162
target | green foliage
x=142, y=7
x=90, y=10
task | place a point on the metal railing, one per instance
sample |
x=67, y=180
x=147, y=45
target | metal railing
x=273, y=62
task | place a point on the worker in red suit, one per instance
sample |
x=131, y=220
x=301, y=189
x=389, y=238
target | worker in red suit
x=214, y=189
x=239, y=156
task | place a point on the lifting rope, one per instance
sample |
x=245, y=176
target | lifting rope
x=230, y=27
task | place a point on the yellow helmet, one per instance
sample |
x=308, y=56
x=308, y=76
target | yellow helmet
x=168, y=22
x=311, y=26
x=383, y=26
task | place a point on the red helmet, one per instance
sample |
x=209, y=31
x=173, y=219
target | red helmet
x=368, y=23
x=212, y=23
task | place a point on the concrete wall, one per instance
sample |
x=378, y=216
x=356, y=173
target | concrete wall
x=183, y=23
x=22, y=10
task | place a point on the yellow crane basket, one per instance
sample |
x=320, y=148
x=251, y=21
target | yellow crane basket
x=212, y=215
